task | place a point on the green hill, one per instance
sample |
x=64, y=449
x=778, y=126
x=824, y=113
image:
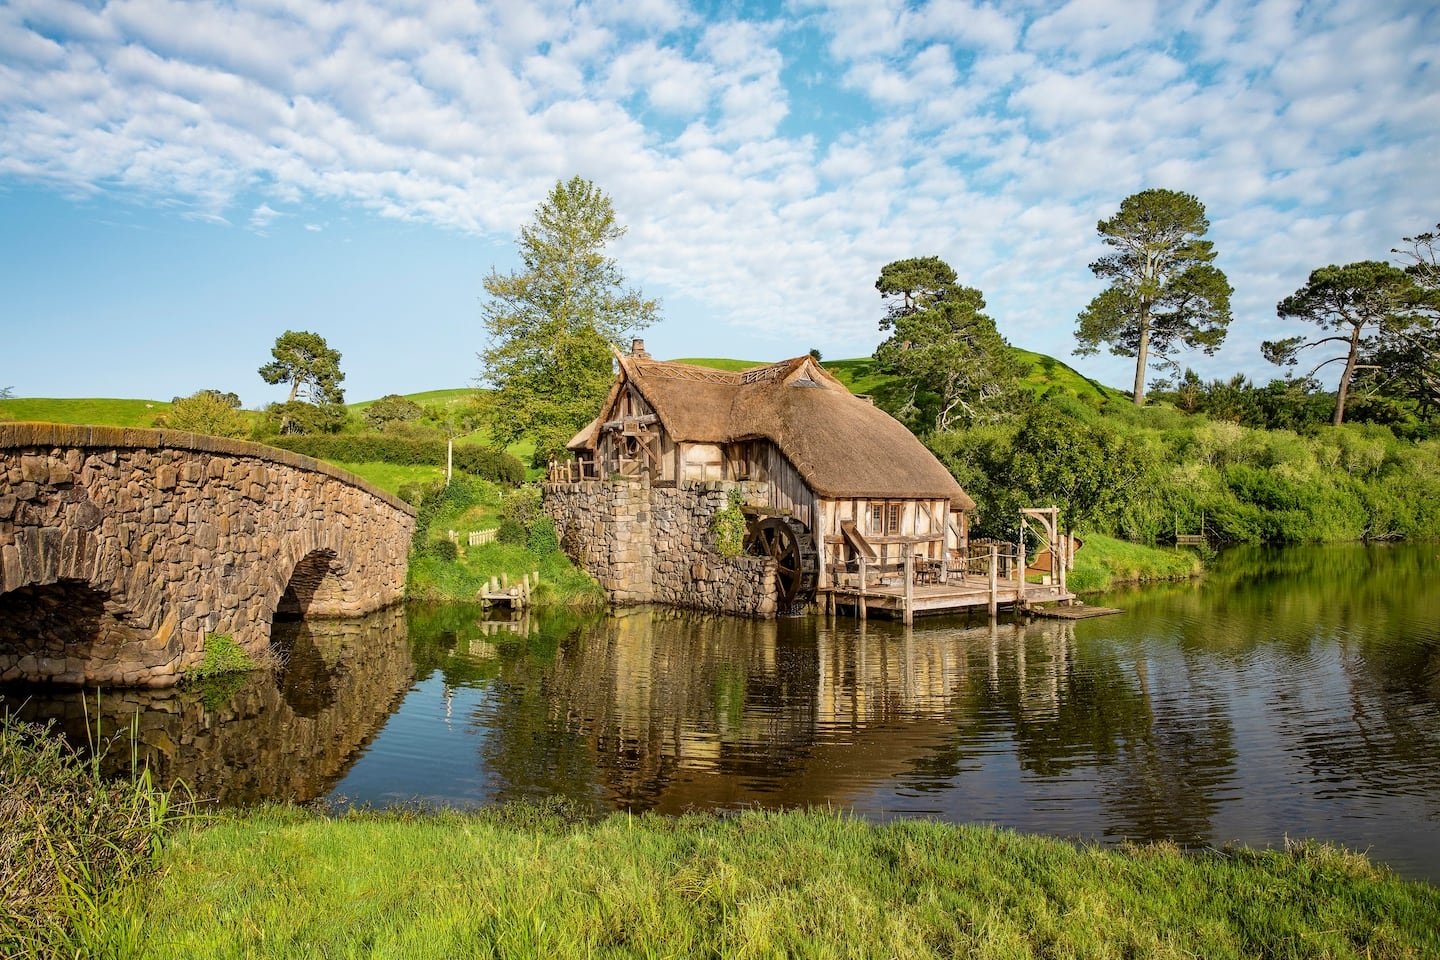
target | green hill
x=447, y=398
x=86, y=410
x=1045, y=374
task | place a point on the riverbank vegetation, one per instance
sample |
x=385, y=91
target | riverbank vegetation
x=69, y=840
x=531, y=881
x=524, y=542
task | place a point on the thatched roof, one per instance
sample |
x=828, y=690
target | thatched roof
x=842, y=445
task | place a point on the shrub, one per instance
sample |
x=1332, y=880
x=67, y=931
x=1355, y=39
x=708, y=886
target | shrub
x=444, y=550
x=521, y=507
x=68, y=839
x=728, y=527
x=207, y=411
x=392, y=408
x=542, y=538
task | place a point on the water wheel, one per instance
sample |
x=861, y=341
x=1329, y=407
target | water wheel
x=797, y=566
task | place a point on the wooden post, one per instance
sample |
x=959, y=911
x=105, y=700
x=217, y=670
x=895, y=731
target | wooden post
x=860, y=598
x=909, y=614
x=1020, y=569
x=1064, y=564
x=449, y=458
x=994, y=576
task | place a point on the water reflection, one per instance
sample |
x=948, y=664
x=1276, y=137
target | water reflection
x=1291, y=693
x=288, y=735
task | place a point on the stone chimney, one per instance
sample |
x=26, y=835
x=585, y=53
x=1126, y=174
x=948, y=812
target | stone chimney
x=637, y=349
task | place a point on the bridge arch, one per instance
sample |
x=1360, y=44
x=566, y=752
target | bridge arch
x=157, y=538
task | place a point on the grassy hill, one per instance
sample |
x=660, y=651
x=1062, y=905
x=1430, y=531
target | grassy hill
x=1044, y=374
x=89, y=410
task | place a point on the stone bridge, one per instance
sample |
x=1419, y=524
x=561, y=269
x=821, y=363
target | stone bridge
x=121, y=550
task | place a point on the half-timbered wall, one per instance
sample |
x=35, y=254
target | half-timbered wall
x=626, y=453
x=891, y=526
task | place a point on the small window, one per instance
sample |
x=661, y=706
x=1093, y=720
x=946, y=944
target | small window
x=885, y=518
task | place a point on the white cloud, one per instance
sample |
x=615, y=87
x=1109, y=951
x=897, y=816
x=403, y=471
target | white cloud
x=994, y=135
x=262, y=216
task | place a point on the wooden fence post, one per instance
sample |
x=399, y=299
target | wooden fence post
x=994, y=577
x=909, y=614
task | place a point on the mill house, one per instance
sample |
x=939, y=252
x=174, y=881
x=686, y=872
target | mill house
x=852, y=510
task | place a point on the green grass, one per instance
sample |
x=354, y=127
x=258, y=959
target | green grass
x=524, y=882
x=390, y=477
x=1045, y=373
x=448, y=398
x=1105, y=561
x=720, y=363
x=90, y=411
x=222, y=655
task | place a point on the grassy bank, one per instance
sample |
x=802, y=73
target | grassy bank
x=1104, y=562
x=518, y=882
x=69, y=840
x=444, y=571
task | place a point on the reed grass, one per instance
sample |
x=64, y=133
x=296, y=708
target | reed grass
x=69, y=841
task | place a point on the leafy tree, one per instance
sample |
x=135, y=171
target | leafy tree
x=206, y=411
x=1165, y=293
x=392, y=408
x=306, y=418
x=1418, y=368
x=552, y=323
x=954, y=365
x=1091, y=472
x=6, y=393
x=305, y=361
x=1378, y=314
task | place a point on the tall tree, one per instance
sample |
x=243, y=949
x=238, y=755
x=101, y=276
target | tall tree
x=551, y=324
x=954, y=365
x=305, y=361
x=1377, y=313
x=1165, y=292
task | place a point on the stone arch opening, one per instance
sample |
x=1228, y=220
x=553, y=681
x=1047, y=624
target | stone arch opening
x=314, y=587
x=67, y=632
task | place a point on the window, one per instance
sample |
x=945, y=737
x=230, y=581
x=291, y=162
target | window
x=884, y=518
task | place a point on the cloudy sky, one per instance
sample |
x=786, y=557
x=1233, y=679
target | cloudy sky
x=182, y=181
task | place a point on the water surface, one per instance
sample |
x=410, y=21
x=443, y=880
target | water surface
x=1291, y=693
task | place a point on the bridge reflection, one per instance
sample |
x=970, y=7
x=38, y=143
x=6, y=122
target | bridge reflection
x=286, y=735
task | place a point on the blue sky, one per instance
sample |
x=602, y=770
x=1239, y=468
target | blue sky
x=181, y=182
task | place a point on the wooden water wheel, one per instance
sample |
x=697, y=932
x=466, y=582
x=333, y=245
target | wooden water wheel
x=787, y=541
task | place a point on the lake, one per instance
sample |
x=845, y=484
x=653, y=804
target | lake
x=1290, y=693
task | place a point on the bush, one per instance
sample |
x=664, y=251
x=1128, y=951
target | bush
x=206, y=411
x=521, y=507
x=486, y=462
x=444, y=550
x=728, y=528
x=542, y=538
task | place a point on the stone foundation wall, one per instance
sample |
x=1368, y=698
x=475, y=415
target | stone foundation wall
x=649, y=544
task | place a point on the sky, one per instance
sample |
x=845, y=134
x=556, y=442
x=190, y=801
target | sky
x=181, y=182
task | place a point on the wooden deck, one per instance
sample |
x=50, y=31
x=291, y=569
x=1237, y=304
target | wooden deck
x=955, y=594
